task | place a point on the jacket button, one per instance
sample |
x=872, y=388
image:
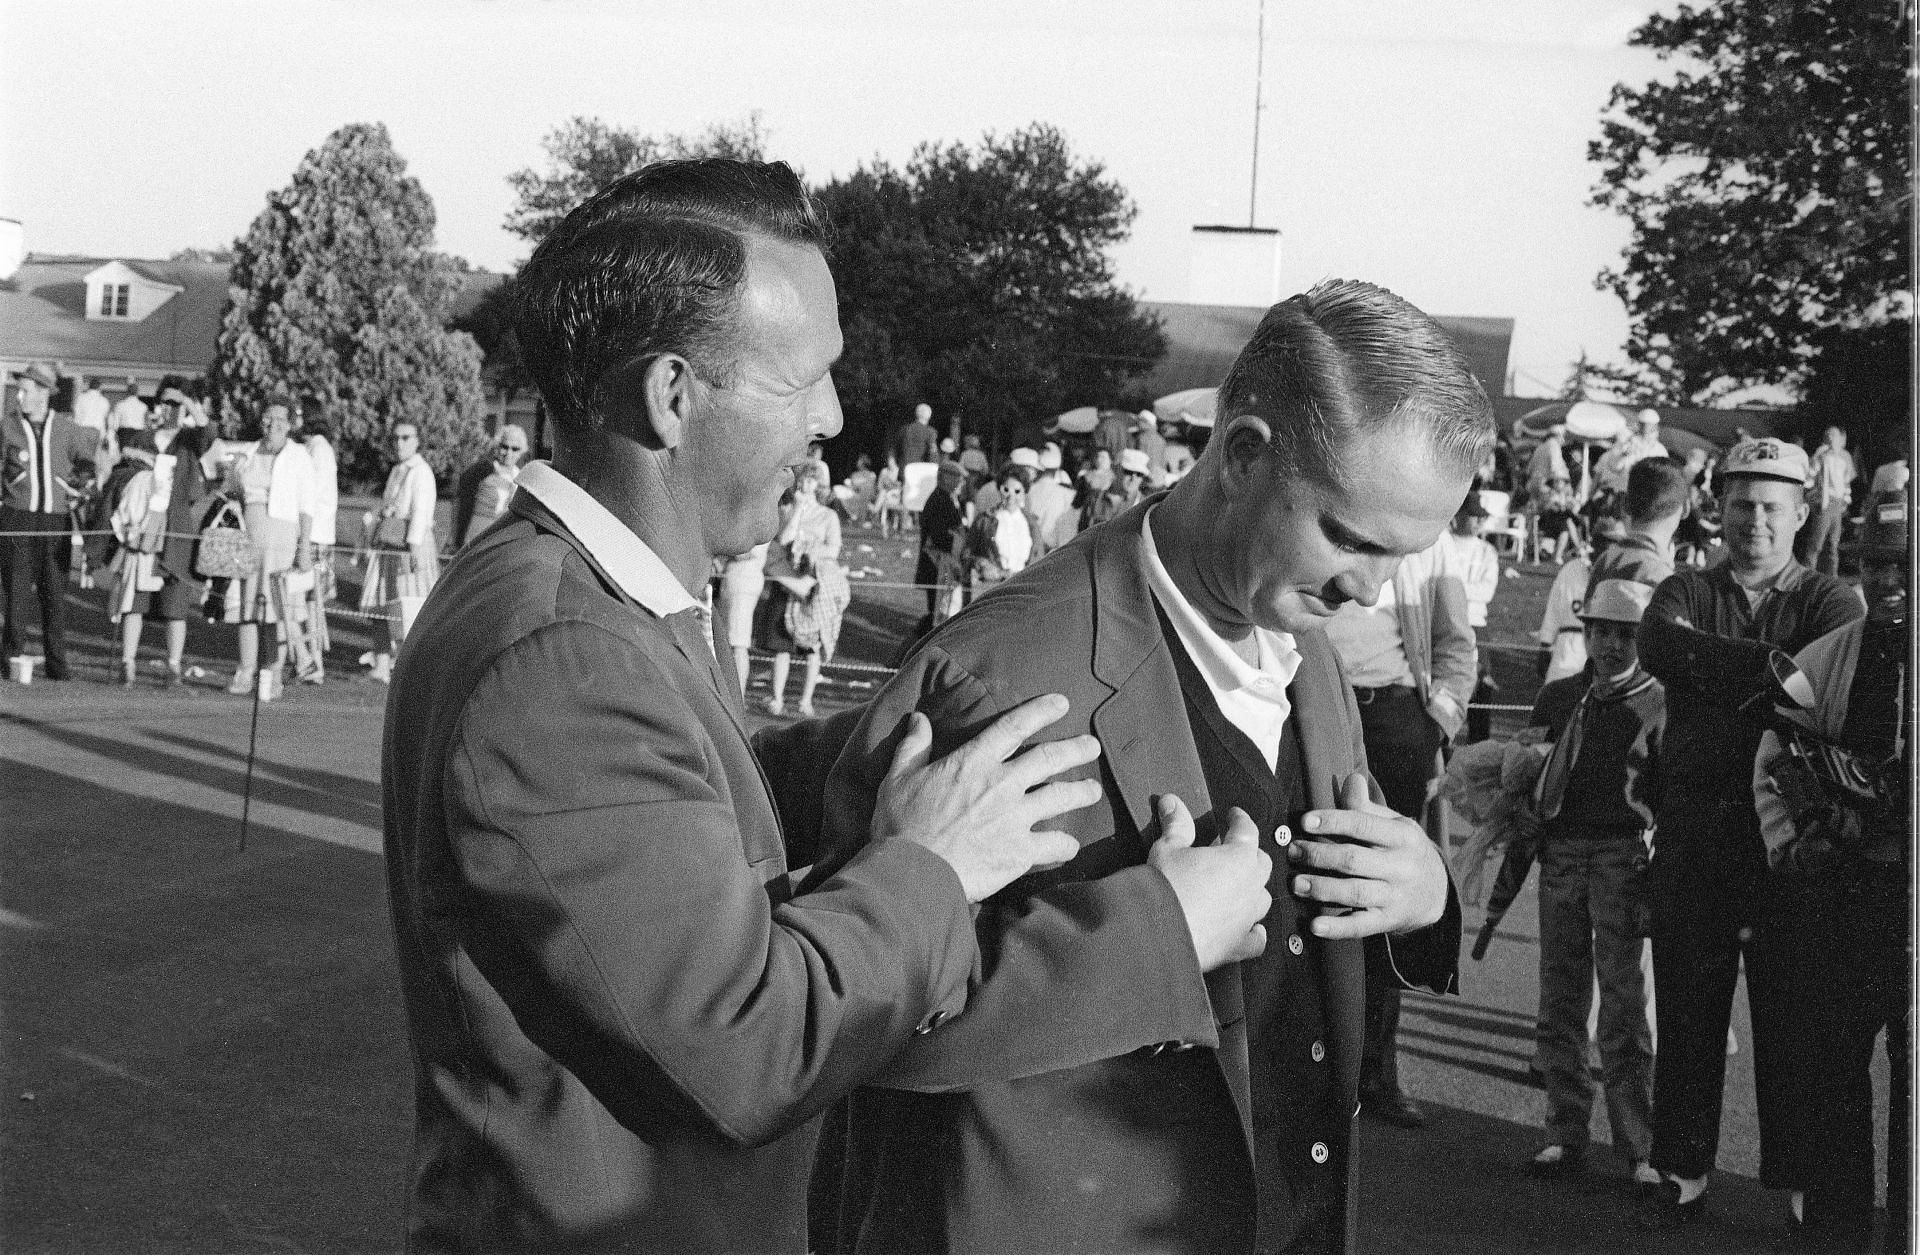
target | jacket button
x=1319, y=1152
x=1295, y=945
x=1282, y=835
x=1319, y=1051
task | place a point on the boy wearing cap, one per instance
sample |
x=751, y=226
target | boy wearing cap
x=1714, y=638
x=1595, y=800
x=40, y=453
x=1834, y=947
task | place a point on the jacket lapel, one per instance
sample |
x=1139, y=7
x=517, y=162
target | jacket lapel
x=1143, y=734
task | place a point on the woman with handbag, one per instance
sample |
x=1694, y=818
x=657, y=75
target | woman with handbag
x=808, y=593
x=136, y=515
x=271, y=477
x=405, y=561
x=183, y=491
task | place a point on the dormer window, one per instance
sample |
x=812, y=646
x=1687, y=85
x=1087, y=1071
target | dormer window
x=113, y=299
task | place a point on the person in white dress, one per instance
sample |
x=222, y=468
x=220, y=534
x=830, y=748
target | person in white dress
x=272, y=477
x=405, y=560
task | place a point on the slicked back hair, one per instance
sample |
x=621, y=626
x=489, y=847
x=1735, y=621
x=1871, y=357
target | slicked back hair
x=653, y=264
x=1656, y=487
x=1346, y=358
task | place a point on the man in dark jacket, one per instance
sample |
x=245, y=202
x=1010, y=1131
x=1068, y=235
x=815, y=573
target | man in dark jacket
x=40, y=455
x=1710, y=638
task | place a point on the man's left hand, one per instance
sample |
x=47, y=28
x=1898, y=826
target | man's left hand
x=1376, y=864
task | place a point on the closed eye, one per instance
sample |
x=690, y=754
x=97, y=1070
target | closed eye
x=1344, y=537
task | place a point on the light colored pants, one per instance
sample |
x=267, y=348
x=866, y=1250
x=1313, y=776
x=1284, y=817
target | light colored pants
x=1591, y=910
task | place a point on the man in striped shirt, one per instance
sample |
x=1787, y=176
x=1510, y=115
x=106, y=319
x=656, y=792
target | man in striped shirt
x=38, y=455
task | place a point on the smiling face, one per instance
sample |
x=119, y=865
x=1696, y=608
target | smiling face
x=275, y=425
x=745, y=442
x=1288, y=552
x=1884, y=577
x=1760, y=517
x=33, y=396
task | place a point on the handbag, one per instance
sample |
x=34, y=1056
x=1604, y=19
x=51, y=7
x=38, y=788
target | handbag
x=782, y=570
x=390, y=533
x=225, y=551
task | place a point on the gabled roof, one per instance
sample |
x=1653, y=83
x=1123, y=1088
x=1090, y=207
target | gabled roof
x=43, y=317
x=1203, y=340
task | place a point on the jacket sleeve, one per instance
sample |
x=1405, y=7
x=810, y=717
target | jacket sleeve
x=1070, y=971
x=1719, y=670
x=1455, y=656
x=597, y=874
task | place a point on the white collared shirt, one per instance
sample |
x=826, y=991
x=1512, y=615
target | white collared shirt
x=626, y=559
x=1253, y=698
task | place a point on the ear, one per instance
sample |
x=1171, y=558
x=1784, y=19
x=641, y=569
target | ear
x=1243, y=443
x=649, y=399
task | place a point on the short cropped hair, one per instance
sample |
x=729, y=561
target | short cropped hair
x=653, y=264
x=1348, y=357
x=1656, y=488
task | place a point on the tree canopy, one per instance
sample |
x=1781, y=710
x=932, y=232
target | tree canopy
x=335, y=292
x=1765, y=176
x=584, y=155
x=978, y=279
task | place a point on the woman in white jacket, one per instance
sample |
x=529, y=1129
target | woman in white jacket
x=272, y=477
x=406, y=558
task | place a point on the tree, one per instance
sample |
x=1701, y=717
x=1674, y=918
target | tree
x=336, y=292
x=584, y=155
x=978, y=280
x=1766, y=181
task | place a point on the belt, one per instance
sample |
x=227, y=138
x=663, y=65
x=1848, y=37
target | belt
x=1366, y=696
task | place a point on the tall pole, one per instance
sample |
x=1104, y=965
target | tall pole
x=1259, y=74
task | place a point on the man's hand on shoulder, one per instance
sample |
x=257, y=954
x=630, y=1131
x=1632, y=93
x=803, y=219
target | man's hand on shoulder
x=977, y=807
x=1378, y=865
x=1222, y=887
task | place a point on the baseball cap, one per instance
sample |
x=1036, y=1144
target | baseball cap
x=1134, y=460
x=1767, y=458
x=1617, y=601
x=1884, y=530
x=1050, y=456
x=1024, y=456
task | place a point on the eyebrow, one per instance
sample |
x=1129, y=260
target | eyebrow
x=1341, y=534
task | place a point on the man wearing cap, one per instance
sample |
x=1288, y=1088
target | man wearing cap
x=1128, y=489
x=1595, y=799
x=1050, y=502
x=1632, y=447
x=1176, y=458
x=943, y=537
x=1148, y=440
x=39, y=452
x=917, y=441
x=1833, y=951
x=1549, y=461
x=1711, y=637
x=1828, y=499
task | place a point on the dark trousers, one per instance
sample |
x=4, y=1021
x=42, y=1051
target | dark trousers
x=37, y=565
x=1831, y=970
x=1402, y=743
x=1703, y=883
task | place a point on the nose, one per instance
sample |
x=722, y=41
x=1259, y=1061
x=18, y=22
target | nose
x=824, y=418
x=1361, y=582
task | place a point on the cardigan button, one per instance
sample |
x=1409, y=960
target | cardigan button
x=1282, y=835
x=1319, y=1052
x=1295, y=945
x=1319, y=1152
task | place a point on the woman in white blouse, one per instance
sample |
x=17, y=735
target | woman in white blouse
x=406, y=557
x=272, y=477
x=316, y=434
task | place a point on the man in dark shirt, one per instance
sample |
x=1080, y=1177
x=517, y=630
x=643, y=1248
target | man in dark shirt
x=1711, y=637
x=917, y=441
x=1656, y=501
x=941, y=535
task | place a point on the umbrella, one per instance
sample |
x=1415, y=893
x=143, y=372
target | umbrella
x=1192, y=406
x=1076, y=422
x=1507, y=884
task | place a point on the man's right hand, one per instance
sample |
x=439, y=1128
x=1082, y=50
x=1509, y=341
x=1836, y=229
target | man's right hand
x=1222, y=887
x=977, y=807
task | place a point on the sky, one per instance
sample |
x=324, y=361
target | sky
x=1437, y=147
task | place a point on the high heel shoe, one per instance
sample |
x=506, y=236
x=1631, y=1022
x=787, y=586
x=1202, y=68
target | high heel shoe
x=129, y=672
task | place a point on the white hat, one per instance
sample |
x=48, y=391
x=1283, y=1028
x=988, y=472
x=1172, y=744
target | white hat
x=1648, y=418
x=1135, y=460
x=1767, y=458
x=1024, y=456
x=1617, y=601
x=1049, y=456
x=1148, y=419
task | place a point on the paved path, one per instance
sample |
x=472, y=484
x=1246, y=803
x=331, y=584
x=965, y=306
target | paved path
x=203, y=1049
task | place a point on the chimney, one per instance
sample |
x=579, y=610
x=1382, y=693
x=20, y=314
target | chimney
x=1234, y=266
